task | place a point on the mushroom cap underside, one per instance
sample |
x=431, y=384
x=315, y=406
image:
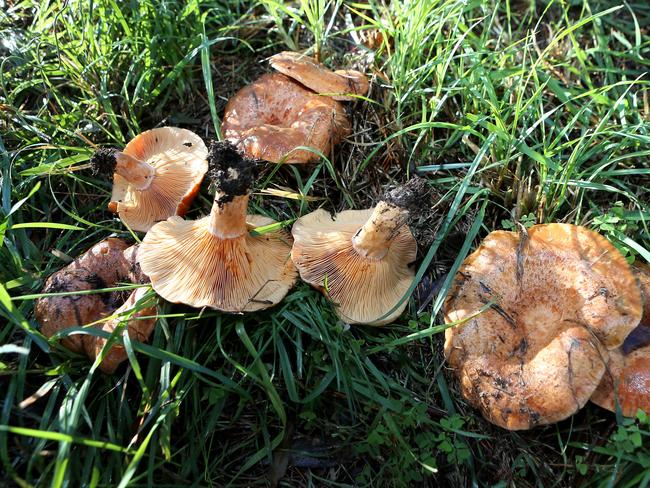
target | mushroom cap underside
x=179, y=158
x=340, y=84
x=362, y=290
x=273, y=116
x=187, y=264
x=539, y=311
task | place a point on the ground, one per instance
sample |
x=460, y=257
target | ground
x=514, y=111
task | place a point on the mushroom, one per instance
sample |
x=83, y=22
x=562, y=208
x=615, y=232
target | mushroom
x=534, y=315
x=104, y=265
x=216, y=261
x=157, y=175
x=273, y=118
x=360, y=259
x=341, y=85
x=629, y=365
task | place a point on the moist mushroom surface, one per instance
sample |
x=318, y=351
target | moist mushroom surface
x=104, y=265
x=627, y=379
x=539, y=310
x=217, y=261
x=157, y=175
x=273, y=117
x=360, y=258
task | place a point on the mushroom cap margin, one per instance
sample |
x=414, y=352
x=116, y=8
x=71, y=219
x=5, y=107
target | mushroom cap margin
x=362, y=290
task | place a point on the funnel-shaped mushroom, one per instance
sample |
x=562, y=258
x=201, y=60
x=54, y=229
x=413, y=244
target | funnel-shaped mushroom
x=157, y=175
x=104, y=265
x=273, y=117
x=539, y=312
x=627, y=380
x=340, y=84
x=215, y=261
x=360, y=258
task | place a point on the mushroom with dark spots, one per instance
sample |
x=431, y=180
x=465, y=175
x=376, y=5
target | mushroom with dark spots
x=627, y=380
x=104, y=265
x=552, y=303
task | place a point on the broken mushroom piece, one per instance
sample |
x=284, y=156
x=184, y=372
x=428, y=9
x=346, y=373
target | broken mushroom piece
x=216, y=261
x=342, y=85
x=140, y=326
x=361, y=258
x=627, y=380
x=274, y=117
x=157, y=175
x=104, y=265
x=536, y=313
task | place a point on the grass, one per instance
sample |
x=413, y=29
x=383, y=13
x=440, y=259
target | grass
x=514, y=111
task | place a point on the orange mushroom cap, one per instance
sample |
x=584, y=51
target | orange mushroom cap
x=104, y=265
x=215, y=261
x=158, y=175
x=540, y=311
x=340, y=84
x=273, y=117
x=360, y=258
x=629, y=365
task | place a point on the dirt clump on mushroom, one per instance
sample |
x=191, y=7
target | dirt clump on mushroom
x=221, y=261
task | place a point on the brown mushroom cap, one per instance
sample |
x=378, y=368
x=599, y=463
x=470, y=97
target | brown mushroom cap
x=630, y=364
x=178, y=157
x=104, y=265
x=140, y=325
x=56, y=313
x=540, y=312
x=273, y=116
x=340, y=84
x=364, y=284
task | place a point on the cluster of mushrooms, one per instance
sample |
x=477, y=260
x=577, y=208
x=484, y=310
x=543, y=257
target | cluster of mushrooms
x=540, y=321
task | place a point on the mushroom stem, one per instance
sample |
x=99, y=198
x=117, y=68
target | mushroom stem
x=136, y=172
x=373, y=239
x=228, y=218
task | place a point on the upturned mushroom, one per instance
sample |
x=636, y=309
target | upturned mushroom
x=276, y=117
x=533, y=316
x=627, y=380
x=104, y=265
x=157, y=175
x=361, y=259
x=217, y=261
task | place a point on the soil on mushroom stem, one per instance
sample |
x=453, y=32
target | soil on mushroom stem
x=229, y=171
x=103, y=161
